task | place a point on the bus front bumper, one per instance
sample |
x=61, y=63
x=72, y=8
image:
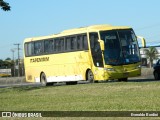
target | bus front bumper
x=110, y=74
x=123, y=74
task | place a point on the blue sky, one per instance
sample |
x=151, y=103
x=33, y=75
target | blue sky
x=30, y=18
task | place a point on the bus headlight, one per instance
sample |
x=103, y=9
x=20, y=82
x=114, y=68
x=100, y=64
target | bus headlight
x=109, y=69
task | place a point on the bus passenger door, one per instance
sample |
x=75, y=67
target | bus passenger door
x=96, y=50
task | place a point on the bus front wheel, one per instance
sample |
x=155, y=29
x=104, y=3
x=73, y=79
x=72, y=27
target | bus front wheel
x=43, y=79
x=90, y=76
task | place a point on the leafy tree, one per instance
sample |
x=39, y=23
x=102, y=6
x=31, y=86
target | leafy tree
x=4, y=5
x=8, y=58
x=1, y=63
x=151, y=54
x=6, y=63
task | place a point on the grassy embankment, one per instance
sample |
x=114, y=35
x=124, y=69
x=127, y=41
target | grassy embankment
x=112, y=96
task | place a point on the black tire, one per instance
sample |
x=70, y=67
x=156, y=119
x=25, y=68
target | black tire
x=123, y=79
x=95, y=81
x=50, y=84
x=90, y=76
x=71, y=83
x=156, y=76
x=43, y=79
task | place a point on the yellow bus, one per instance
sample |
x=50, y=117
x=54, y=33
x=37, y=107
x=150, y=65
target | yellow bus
x=93, y=53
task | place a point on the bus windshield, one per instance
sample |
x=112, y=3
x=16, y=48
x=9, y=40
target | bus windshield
x=121, y=47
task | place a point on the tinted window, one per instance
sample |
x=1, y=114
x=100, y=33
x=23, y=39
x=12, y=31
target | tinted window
x=82, y=42
x=85, y=42
x=38, y=47
x=57, y=45
x=61, y=44
x=112, y=52
x=120, y=47
x=95, y=50
x=29, y=49
x=73, y=43
x=68, y=44
x=48, y=46
x=79, y=42
x=26, y=49
x=94, y=42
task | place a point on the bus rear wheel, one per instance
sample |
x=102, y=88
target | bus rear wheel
x=90, y=76
x=43, y=79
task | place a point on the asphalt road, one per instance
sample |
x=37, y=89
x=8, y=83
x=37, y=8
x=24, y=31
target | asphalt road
x=20, y=81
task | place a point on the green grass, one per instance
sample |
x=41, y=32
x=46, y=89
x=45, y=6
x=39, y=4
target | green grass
x=112, y=96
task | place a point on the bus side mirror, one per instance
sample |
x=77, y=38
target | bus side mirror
x=143, y=41
x=101, y=42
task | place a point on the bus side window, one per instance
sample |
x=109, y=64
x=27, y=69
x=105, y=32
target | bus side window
x=48, y=46
x=67, y=44
x=82, y=43
x=26, y=45
x=73, y=43
x=29, y=49
x=61, y=44
x=32, y=48
x=38, y=47
x=79, y=42
x=56, y=45
x=94, y=42
x=85, y=42
x=95, y=50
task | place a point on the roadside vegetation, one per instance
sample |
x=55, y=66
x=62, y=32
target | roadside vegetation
x=4, y=5
x=151, y=54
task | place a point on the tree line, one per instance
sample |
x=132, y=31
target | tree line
x=7, y=63
x=13, y=65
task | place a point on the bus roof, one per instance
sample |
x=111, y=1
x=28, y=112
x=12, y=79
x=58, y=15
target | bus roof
x=93, y=28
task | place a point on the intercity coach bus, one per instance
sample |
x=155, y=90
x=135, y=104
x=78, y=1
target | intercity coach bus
x=93, y=53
